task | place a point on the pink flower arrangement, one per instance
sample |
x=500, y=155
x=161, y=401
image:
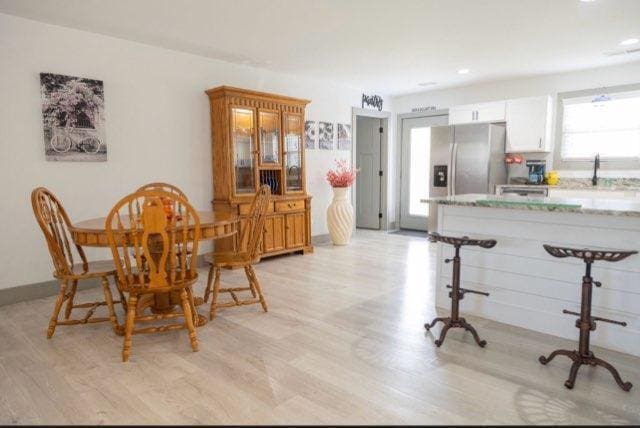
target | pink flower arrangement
x=343, y=175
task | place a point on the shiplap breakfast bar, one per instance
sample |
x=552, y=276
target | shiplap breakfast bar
x=528, y=287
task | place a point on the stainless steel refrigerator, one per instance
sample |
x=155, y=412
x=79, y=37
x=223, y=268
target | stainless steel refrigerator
x=465, y=159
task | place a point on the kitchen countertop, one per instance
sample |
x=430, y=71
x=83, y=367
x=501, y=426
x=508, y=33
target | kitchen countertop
x=614, y=207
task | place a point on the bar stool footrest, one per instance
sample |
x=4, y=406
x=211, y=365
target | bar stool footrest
x=594, y=318
x=466, y=290
x=610, y=321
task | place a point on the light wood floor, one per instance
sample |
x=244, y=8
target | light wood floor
x=343, y=343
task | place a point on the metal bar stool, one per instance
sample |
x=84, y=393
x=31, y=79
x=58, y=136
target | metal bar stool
x=587, y=323
x=458, y=293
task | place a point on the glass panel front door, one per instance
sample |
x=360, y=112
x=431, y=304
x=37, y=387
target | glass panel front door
x=244, y=150
x=419, y=142
x=416, y=174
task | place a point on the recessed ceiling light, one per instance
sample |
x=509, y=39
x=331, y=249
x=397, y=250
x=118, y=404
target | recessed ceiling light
x=427, y=83
x=463, y=71
x=629, y=42
x=587, y=1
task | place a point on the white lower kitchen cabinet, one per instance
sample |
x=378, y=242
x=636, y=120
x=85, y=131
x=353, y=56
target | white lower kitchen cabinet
x=592, y=194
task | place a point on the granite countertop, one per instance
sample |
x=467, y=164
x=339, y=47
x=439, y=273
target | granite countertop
x=615, y=207
x=604, y=184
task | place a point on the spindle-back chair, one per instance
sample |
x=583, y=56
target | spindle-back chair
x=246, y=257
x=55, y=224
x=148, y=232
x=165, y=187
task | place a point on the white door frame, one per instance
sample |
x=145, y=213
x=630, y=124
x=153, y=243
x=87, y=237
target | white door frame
x=400, y=117
x=384, y=158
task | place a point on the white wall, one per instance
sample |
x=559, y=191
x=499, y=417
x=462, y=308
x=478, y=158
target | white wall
x=157, y=128
x=525, y=87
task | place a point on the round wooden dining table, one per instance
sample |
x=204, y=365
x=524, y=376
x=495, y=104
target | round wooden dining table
x=213, y=225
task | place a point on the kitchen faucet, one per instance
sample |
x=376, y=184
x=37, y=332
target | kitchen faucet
x=596, y=165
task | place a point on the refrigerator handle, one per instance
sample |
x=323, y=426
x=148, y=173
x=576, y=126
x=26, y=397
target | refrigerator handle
x=450, y=182
x=454, y=156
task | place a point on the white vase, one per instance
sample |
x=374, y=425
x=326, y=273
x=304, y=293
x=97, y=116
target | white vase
x=340, y=217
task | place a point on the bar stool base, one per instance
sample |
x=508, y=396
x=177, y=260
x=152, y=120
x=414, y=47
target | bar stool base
x=459, y=323
x=589, y=360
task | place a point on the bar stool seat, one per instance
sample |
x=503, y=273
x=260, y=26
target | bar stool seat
x=457, y=293
x=587, y=323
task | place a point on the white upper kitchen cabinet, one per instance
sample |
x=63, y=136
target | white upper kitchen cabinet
x=529, y=124
x=477, y=113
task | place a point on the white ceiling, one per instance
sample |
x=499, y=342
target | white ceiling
x=385, y=46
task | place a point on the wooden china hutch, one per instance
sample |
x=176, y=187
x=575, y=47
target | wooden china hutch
x=258, y=138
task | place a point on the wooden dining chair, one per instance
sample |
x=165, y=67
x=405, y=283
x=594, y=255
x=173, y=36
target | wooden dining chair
x=246, y=257
x=138, y=227
x=164, y=187
x=55, y=225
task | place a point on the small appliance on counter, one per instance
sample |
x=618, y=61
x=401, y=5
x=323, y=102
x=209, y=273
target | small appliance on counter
x=552, y=178
x=537, y=168
x=511, y=158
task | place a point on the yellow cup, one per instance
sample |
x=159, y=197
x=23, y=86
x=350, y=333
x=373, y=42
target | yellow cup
x=552, y=178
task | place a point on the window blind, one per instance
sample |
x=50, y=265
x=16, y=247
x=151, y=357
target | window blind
x=610, y=128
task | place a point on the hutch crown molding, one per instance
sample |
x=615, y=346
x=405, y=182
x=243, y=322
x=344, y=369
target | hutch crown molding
x=257, y=138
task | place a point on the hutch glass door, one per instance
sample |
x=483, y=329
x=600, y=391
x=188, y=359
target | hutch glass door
x=244, y=150
x=293, y=152
x=269, y=138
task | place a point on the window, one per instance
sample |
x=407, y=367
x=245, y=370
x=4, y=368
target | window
x=608, y=125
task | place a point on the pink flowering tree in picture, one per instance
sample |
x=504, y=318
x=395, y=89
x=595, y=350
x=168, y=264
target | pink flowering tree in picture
x=340, y=211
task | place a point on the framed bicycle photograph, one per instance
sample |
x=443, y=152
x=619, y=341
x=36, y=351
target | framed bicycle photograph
x=73, y=118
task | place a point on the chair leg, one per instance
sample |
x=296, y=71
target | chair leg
x=72, y=295
x=469, y=328
x=123, y=299
x=188, y=319
x=254, y=283
x=216, y=290
x=572, y=374
x=252, y=287
x=192, y=303
x=56, y=309
x=626, y=386
x=429, y=326
x=546, y=360
x=207, y=290
x=108, y=297
x=443, y=334
x=128, y=328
